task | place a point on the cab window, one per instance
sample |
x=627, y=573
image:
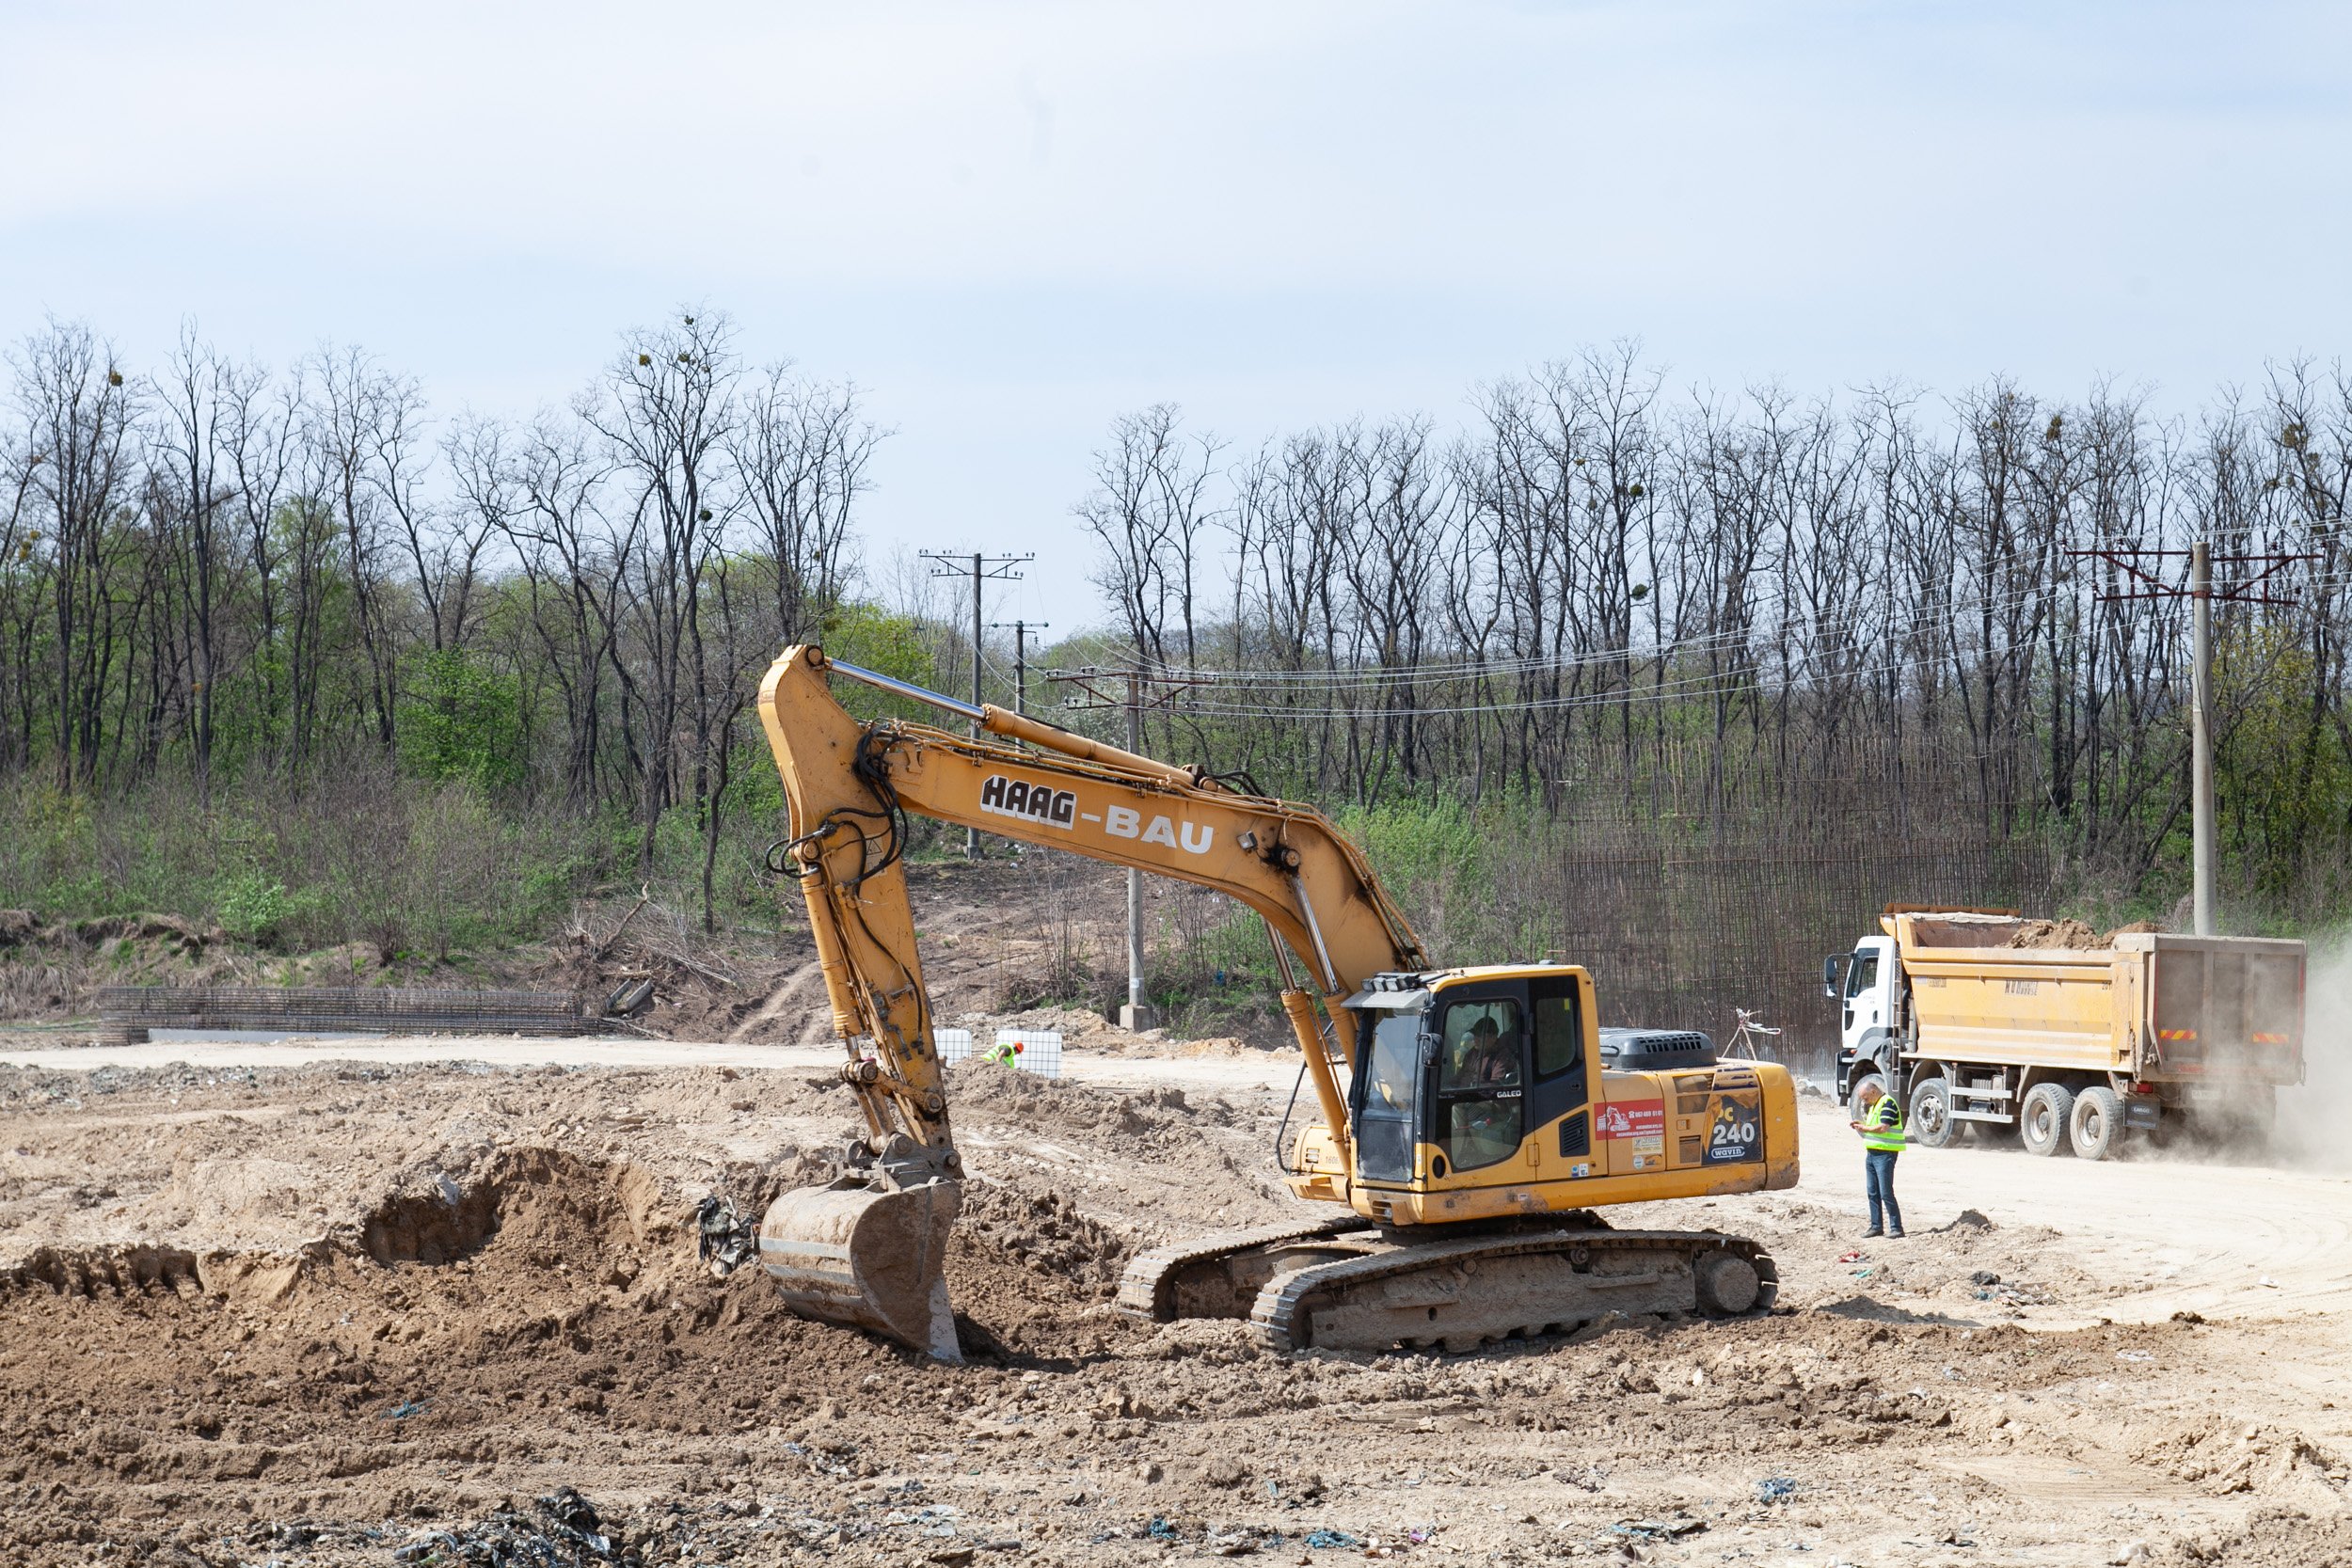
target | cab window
x=1481, y=1063
x=1559, y=1035
x=1386, y=1098
x=1863, y=974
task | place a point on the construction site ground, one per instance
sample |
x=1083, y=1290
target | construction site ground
x=351, y=1301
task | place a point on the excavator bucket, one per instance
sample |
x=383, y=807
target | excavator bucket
x=867, y=1255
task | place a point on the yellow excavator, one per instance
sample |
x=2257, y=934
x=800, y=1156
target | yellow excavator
x=1471, y=1118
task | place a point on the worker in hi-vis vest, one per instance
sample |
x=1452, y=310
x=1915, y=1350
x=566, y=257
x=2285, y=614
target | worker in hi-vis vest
x=1882, y=1128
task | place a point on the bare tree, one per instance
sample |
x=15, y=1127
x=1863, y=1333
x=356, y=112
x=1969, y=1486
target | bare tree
x=667, y=408
x=800, y=457
x=80, y=466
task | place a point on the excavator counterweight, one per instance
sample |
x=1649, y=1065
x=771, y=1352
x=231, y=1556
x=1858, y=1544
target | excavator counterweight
x=1470, y=1120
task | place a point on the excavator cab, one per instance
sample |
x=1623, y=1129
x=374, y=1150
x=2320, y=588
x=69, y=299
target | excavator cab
x=1461, y=1069
x=1491, y=1092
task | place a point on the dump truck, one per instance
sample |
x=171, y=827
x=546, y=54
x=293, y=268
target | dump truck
x=1977, y=1019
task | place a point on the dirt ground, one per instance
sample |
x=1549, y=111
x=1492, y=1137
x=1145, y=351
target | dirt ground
x=358, y=1312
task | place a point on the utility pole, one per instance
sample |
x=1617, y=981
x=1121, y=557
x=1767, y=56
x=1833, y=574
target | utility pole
x=2200, y=595
x=1093, y=684
x=1020, y=630
x=2200, y=732
x=1135, y=1015
x=979, y=568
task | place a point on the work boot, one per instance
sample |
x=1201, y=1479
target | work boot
x=1868, y=1235
x=1893, y=1235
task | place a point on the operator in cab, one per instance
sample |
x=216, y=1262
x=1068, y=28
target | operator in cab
x=1484, y=1057
x=1481, y=1087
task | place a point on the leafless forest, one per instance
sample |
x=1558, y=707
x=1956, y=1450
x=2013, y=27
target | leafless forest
x=1683, y=684
x=1713, y=678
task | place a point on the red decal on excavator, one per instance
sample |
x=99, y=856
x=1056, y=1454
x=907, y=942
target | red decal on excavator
x=1631, y=1118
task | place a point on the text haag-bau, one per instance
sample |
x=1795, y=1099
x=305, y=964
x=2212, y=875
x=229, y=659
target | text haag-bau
x=1004, y=796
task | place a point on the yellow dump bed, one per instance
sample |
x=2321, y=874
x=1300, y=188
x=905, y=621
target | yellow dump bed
x=2153, y=1006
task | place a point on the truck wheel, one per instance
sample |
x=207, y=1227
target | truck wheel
x=2096, y=1125
x=1853, y=1101
x=1931, y=1123
x=2042, y=1120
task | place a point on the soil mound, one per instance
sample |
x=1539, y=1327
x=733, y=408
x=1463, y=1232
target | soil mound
x=2053, y=935
x=1155, y=1121
x=2061, y=935
x=1044, y=1233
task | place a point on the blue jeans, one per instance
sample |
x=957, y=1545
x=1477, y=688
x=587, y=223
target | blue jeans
x=1878, y=1179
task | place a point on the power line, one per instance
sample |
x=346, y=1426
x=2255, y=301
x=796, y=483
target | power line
x=1020, y=630
x=1766, y=640
x=1766, y=631
x=979, y=568
x=1724, y=641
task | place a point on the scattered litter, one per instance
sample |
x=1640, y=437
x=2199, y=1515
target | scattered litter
x=406, y=1409
x=724, y=1237
x=1162, y=1530
x=2134, y=1355
x=2268, y=1281
x=1984, y=1276
x=1850, y=1256
x=563, y=1529
x=1773, y=1489
x=1654, y=1529
x=1332, y=1538
x=1592, y=1478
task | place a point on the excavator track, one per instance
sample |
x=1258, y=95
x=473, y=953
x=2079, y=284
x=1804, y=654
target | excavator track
x=1150, y=1288
x=1461, y=1293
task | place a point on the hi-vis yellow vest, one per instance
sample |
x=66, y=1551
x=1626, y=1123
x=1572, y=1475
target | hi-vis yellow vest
x=1883, y=1125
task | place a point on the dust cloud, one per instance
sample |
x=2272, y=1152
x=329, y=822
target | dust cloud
x=2312, y=1118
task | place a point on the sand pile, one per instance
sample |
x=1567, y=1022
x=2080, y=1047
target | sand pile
x=2056, y=935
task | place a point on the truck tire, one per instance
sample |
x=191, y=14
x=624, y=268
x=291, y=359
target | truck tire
x=2096, y=1125
x=1931, y=1123
x=2042, y=1120
x=1853, y=1101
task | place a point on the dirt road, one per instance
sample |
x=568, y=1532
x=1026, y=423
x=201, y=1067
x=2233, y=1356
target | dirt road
x=273, y=1305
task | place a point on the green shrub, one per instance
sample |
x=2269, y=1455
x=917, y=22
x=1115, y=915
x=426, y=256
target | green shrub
x=461, y=720
x=254, y=906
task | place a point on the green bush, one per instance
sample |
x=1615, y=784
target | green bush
x=253, y=906
x=461, y=720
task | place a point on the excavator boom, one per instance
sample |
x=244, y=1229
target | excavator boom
x=867, y=1251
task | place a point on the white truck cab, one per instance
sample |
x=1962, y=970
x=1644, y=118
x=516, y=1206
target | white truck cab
x=1868, y=985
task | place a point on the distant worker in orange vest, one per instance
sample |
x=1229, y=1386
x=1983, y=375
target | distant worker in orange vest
x=1882, y=1130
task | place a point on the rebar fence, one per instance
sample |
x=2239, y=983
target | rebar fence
x=130, y=1012
x=1680, y=931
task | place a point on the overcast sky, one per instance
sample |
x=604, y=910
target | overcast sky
x=1011, y=222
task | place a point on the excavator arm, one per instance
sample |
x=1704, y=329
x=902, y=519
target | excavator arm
x=870, y=1250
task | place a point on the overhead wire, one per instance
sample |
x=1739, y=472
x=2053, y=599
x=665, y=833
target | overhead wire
x=1697, y=685
x=1378, y=675
x=1766, y=629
